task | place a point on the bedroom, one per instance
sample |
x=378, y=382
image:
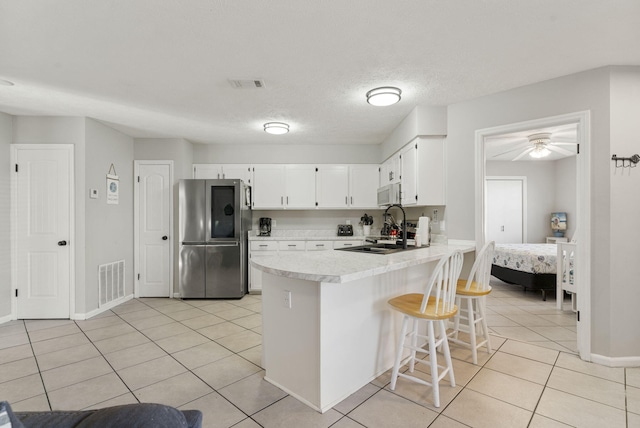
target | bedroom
x=522, y=192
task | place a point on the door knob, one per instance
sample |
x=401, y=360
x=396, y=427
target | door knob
x=165, y=237
x=62, y=243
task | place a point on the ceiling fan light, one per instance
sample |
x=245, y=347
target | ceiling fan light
x=384, y=96
x=539, y=152
x=276, y=128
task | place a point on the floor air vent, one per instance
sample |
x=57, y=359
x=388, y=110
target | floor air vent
x=111, y=281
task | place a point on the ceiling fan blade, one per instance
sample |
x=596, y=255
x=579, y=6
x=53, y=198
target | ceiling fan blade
x=520, y=147
x=522, y=154
x=560, y=150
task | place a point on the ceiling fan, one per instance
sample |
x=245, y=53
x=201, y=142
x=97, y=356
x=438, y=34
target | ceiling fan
x=540, y=145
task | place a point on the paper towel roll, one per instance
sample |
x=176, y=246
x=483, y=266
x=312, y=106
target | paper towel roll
x=424, y=224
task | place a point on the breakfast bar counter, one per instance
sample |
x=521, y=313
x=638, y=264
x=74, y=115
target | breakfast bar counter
x=326, y=327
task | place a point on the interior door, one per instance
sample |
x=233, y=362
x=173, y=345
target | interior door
x=43, y=248
x=505, y=210
x=154, y=230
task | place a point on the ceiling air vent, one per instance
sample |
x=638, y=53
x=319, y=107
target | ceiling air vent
x=246, y=83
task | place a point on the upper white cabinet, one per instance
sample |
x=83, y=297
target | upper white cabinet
x=228, y=171
x=300, y=186
x=422, y=163
x=332, y=186
x=284, y=186
x=390, y=170
x=269, y=186
x=363, y=188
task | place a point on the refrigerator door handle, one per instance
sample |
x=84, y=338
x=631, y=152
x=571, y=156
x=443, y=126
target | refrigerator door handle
x=223, y=244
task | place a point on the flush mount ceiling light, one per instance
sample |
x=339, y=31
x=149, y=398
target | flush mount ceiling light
x=540, y=142
x=276, y=128
x=384, y=96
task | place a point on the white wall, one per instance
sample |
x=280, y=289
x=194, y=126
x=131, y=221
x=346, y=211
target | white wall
x=546, y=193
x=176, y=149
x=612, y=292
x=319, y=154
x=623, y=206
x=109, y=228
x=5, y=226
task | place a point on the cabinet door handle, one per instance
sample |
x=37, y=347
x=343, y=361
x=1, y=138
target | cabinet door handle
x=263, y=245
x=292, y=245
x=287, y=200
x=352, y=200
x=281, y=200
x=346, y=200
x=347, y=245
x=319, y=245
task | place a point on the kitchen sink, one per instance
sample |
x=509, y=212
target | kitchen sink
x=378, y=248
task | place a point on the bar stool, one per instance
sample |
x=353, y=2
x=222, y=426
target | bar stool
x=436, y=305
x=470, y=299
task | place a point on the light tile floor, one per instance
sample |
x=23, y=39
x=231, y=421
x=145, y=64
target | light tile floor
x=205, y=354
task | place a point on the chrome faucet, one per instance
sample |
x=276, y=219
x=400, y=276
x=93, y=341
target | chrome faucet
x=404, y=223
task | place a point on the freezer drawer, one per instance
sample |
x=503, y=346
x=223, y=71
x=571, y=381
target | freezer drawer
x=224, y=271
x=192, y=271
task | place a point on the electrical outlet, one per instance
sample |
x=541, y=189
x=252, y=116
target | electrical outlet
x=435, y=216
x=273, y=223
x=287, y=299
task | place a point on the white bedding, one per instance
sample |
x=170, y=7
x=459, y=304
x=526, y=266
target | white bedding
x=532, y=258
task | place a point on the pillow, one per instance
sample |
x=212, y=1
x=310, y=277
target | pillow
x=7, y=418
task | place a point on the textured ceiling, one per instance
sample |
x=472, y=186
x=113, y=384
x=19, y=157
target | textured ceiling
x=160, y=68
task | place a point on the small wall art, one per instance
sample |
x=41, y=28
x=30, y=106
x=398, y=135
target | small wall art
x=558, y=224
x=113, y=186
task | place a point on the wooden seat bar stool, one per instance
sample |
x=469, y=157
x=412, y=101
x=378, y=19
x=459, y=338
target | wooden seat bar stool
x=434, y=307
x=470, y=299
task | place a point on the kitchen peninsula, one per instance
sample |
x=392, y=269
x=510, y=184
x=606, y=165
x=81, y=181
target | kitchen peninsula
x=327, y=328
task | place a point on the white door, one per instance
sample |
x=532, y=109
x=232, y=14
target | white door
x=505, y=211
x=43, y=215
x=154, y=220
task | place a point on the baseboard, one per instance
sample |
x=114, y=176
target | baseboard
x=176, y=295
x=615, y=361
x=102, y=309
x=5, y=319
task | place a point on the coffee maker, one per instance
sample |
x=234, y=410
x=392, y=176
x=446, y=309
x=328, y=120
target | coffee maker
x=265, y=226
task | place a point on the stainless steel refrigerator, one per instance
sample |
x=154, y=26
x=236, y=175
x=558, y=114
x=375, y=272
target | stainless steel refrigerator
x=214, y=219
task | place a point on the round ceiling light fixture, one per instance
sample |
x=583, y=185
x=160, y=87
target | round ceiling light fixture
x=540, y=142
x=384, y=96
x=276, y=128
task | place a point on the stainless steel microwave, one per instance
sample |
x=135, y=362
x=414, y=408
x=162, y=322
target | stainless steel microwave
x=389, y=194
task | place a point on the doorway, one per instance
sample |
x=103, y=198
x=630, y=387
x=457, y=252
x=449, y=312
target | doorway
x=583, y=221
x=153, y=224
x=43, y=243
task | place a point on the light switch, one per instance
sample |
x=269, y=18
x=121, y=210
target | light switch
x=93, y=193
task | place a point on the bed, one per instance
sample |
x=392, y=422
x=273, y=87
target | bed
x=531, y=266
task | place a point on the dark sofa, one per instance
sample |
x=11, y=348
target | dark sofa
x=143, y=415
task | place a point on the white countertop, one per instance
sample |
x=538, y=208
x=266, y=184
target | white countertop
x=343, y=266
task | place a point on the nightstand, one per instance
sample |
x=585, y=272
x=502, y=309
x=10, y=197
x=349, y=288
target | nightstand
x=556, y=239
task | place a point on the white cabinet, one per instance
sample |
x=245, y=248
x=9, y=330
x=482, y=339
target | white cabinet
x=421, y=166
x=332, y=186
x=346, y=243
x=269, y=186
x=409, y=175
x=390, y=170
x=300, y=186
x=284, y=186
x=291, y=245
x=430, y=172
x=318, y=245
x=363, y=186
x=228, y=171
x=260, y=248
